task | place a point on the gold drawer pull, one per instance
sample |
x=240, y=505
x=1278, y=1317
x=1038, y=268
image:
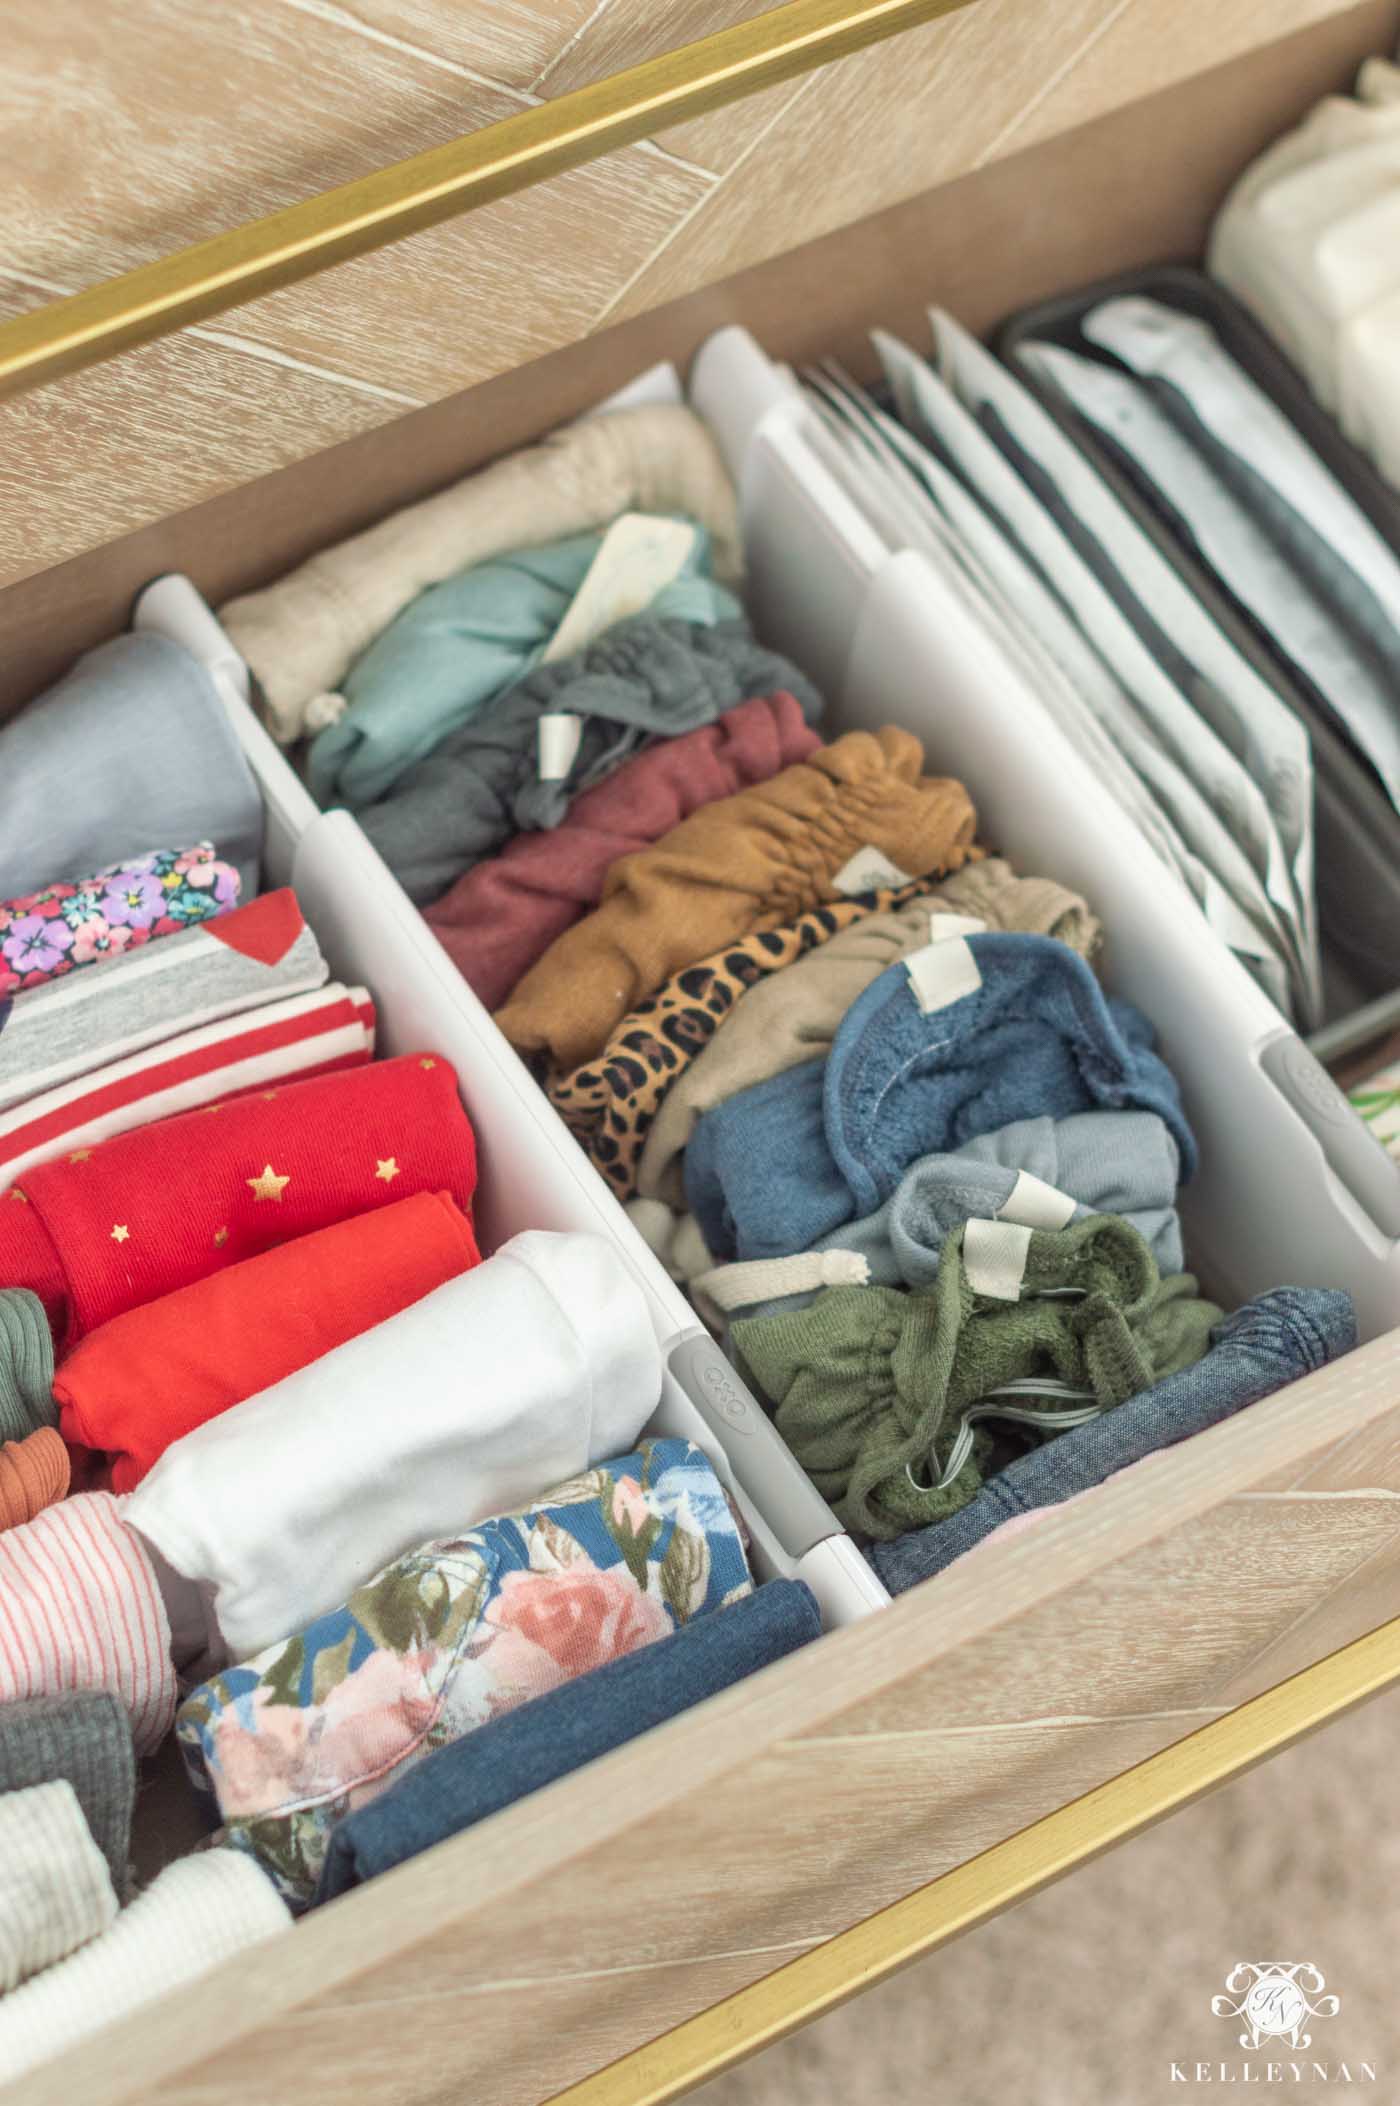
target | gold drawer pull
x=971, y=1894
x=494, y=162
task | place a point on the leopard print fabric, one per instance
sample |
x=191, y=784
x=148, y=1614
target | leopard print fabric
x=610, y=1102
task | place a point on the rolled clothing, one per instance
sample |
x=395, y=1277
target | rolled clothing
x=537, y=1364
x=450, y=1637
x=114, y=1632
x=145, y=1379
x=108, y=1228
x=306, y=1035
x=56, y=1891
x=1037, y=1173
x=302, y=635
x=642, y=679
x=873, y=1385
x=504, y=914
x=26, y=1365
x=72, y=924
x=133, y=746
x=34, y=1473
x=794, y=1017
x=749, y=863
x=1272, y=1341
x=84, y=1738
x=196, y=1913
x=960, y=1039
x=260, y=953
x=559, y=1732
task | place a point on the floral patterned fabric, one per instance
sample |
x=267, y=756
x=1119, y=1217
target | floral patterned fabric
x=451, y=1636
x=68, y=925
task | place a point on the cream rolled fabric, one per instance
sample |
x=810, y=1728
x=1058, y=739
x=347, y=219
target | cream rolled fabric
x=301, y=635
x=55, y=1889
x=519, y=1374
x=199, y=1911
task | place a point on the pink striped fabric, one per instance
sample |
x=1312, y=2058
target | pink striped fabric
x=81, y=1608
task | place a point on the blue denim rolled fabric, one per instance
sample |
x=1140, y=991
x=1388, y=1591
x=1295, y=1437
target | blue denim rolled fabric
x=1270, y=1342
x=558, y=1733
x=955, y=1041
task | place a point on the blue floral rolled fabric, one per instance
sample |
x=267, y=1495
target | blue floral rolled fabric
x=449, y=1637
x=84, y=921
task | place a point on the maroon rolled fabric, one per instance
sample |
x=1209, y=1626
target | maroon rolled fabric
x=504, y=914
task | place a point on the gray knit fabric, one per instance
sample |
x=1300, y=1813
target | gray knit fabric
x=642, y=679
x=83, y=1736
x=26, y=1365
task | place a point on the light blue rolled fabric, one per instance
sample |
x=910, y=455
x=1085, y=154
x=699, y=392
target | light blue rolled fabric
x=460, y=644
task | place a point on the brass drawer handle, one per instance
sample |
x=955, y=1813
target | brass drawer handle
x=494, y=162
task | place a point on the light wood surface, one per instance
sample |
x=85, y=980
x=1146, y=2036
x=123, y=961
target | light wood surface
x=123, y=146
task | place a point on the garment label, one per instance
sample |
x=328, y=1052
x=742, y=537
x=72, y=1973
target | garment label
x=994, y=1258
x=558, y=735
x=869, y=870
x=637, y=557
x=942, y=973
x=943, y=927
x=1034, y=1204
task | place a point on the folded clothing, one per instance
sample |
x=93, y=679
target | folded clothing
x=113, y=1634
x=609, y=1103
x=301, y=635
x=451, y=1636
x=260, y=953
x=743, y=865
x=34, y=1473
x=522, y=1750
x=873, y=1385
x=962, y=1038
x=1274, y=1340
x=783, y=1021
x=457, y=646
x=1038, y=1173
x=75, y=922
x=499, y=918
x=82, y=1737
x=306, y=1035
x=642, y=679
x=540, y=1362
x=133, y=746
x=147, y=1378
x=26, y=1365
x=197, y=1912
x=55, y=1889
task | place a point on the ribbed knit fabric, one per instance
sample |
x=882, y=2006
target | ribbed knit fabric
x=26, y=1365
x=872, y=1384
x=749, y=862
x=147, y=1378
x=34, y=1473
x=80, y=1608
x=199, y=1911
x=301, y=635
x=85, y=1738
x=55, y=1889
x=503, y=915
x=105, y=1229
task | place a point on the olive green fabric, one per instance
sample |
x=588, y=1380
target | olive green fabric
x=872, y=1384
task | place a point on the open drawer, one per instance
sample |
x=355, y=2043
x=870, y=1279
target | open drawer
x=523, y=1956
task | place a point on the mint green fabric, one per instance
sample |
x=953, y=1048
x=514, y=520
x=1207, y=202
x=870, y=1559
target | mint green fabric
x=871, y=1383
x=460, y=644
x=26, y=1365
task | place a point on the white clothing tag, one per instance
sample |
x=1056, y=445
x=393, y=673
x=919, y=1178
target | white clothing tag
x=943, y=926
x=942, y=973
x=558, y=736
x=994, y=1258
x=869, y=870
x=637, y=556
x=1034, y=1204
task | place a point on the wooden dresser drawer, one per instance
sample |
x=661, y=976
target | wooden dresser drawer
x=524, y=1956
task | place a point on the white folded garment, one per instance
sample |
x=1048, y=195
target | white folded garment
x=200, y=1911
x=513, y=1377
x=55, y=1889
